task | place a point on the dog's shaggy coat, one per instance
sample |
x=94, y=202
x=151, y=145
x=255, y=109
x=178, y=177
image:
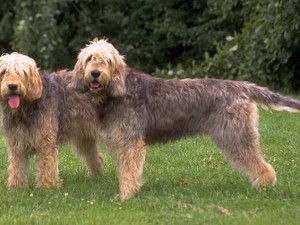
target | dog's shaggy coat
x=38, y=112
x=134, y=109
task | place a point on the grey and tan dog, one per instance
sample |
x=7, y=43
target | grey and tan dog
x=134, y=109
x=38, y=113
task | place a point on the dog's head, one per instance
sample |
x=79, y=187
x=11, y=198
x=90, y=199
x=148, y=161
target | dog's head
x=20, y=80
x=100, y=69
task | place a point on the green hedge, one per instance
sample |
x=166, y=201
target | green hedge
x=231, y=39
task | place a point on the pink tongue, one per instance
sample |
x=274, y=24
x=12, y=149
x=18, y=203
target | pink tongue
x=95, y=85
x=14, y=101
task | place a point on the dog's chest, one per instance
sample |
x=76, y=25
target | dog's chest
x=21, y=134
x=113, y=131
x=25, y=132
x=109, y=133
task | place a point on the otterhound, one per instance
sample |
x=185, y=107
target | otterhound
x=134, y=108
x=39, y=112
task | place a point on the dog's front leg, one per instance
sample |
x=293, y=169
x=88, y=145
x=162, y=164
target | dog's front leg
x=47, y=165
x=18, y=169
x=130, y=169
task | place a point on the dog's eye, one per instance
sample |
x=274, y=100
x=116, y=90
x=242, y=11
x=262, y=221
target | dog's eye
x=89, y=58
x=1, y=76
x=2, y=72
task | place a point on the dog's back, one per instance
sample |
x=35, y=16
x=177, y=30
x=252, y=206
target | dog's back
x=178, y=108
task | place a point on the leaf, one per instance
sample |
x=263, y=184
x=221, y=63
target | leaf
x=229, y=38
x=234, y=48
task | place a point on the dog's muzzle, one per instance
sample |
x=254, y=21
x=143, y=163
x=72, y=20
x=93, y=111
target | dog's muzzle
x=14, y=99
x=95, y=85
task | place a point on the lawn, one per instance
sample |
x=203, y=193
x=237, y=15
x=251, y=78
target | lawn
x=186, y=182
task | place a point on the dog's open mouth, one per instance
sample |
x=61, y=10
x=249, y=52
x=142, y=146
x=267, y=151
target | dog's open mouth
x=95, y=85
x=14, y=101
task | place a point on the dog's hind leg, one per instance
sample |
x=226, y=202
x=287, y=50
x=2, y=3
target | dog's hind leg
x=238, y=139
x=18, y=169
x=86, y=149
x=130, y=169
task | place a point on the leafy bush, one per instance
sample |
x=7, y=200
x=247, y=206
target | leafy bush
x=263, y=51
x=6, y=25
x=231, y=39
x=266, y=51
x=149, y=33
x=36, y=33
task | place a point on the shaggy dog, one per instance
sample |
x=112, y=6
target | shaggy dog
x=39, y=112
x=134, y=109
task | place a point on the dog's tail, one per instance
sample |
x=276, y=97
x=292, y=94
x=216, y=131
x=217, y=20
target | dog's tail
x=268, y=99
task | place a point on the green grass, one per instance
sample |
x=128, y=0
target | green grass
x=186, y=182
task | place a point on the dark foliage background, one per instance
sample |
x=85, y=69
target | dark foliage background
x=255, y=40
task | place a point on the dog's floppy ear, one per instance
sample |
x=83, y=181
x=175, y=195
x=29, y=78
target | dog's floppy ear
x=118, y=67
x=77, y=81
x=3, y=67
x=33, y=82
x=2, y=70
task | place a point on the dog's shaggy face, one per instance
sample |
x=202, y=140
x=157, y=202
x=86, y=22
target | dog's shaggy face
x=101, y=70
x=20, y=80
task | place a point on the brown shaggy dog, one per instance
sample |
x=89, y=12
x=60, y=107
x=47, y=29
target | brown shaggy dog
x=134, y=108
x=39, y=112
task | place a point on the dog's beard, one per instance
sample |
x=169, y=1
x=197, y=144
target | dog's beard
x=96, y=86
x=98, y=91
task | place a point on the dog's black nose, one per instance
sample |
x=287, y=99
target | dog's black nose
x=12, y=87
x=95, y=73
